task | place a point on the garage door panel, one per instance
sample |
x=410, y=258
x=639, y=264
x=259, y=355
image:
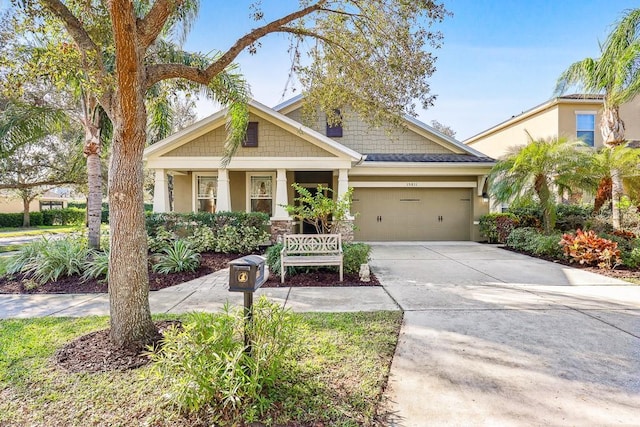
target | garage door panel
x=386, y=214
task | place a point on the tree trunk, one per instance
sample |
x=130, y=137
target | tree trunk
x=603, y=195
x=94, y=180
x=26, y=216
x=548, y=205
x=612, y=129
x=131, y=324
x=617, y=191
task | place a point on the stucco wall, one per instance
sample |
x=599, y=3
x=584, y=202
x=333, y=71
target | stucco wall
x=358, y=136
x=541, y=125
x=567, y=120
x=273, y=141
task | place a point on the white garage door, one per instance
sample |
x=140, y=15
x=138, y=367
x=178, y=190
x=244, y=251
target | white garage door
x=388, y=214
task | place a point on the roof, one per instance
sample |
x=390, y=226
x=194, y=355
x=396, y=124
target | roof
x=427, y=158
x=572, y=98
x=293, y=103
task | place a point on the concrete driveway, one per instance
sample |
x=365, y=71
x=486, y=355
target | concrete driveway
x=491, y=337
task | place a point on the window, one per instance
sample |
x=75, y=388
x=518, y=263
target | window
x=261, y=193
x=251, y=138
x=45, y=206
x=207, y=188
x=585, y=127
x=336, y=130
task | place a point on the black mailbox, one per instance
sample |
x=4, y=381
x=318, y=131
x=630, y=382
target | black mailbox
x=247, y=274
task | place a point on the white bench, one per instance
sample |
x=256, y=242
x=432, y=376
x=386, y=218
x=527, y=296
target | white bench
x=310, y=250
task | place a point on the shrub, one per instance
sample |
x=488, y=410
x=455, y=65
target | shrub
x=273, y=258
x=48, y=260
x=160, y=240
x=354, y=255
x=202, y=239
x=589, y=249
x=26, y=253
x=204, y=365
x=631, y=259
x=531, y=240
x=497, y=226
x=231, y=239
x=67, y=216
x=177, y=258
x=15, y=220
x=96, y=265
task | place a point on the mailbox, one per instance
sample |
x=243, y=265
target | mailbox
x=247, y=274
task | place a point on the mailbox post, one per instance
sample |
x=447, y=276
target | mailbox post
x=246, y=275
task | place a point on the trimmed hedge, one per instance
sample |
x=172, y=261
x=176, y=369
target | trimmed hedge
x=178, y=222
x=68, y=216
x=15, y=219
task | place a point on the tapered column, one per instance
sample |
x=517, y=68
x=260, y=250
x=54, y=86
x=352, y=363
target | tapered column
x=161, y=192
x=343, y=186
x=223, y=198
x=282, y=198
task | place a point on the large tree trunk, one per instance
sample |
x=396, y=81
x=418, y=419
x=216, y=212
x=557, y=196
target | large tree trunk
x=131, y=324
x=548, y=204
x=603, y=195
x=26, y=216
x=94, y=180
x=617, y=191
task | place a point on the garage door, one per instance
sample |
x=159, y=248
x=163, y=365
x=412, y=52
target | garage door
x=387, y=214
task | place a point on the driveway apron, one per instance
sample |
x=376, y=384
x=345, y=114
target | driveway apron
x=491, y=337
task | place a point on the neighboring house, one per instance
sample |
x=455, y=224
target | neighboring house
x=413, y=184
x=571, y=116
x=49, y=200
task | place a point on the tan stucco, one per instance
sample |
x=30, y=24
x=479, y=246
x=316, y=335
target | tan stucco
x=359, y=136
x=556, y=118
x=272, y=142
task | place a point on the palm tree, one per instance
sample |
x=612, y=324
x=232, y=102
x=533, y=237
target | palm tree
x=539, y=168
x=616, y=75
x=604, y=163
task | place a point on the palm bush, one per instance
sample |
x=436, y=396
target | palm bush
x=177, y=258
x=96, y=266
x=47, y=260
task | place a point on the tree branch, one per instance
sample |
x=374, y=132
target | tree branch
x=88, y=48
x=156, y=73
x=151, y=25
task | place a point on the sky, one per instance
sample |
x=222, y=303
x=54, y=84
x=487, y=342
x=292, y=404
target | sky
x=499, y=57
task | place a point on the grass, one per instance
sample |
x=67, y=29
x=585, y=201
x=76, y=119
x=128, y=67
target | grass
x=341, y=368
x=39, y=230
x=9, y=248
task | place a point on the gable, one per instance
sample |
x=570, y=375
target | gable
x=360, y=137
x=273, y=141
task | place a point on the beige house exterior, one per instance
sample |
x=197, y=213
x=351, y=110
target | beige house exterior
x=49, y=200
x=568, y=116
x=409, y=184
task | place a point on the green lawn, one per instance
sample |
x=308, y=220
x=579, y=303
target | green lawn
x=341, y=367
x=39, y=230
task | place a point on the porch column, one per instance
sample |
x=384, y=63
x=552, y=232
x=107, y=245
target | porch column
x=161, y=192
x=223, y=197
x=343, y=185
x=282, y=198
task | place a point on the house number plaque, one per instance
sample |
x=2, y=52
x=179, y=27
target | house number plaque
x=412, y=184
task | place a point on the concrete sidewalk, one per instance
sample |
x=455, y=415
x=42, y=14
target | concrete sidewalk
x=491, y=337
x=207, y=293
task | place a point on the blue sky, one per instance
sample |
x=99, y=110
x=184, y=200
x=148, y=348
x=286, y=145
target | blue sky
x=499, y=58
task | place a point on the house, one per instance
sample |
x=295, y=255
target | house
x=571, y=116
x=10, y=203
x=409, y=184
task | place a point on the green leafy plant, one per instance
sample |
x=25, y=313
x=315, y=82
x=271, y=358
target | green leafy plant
x=589, y=249
x=160, y=239
x=47, y=260
x=202, y=239
x=96, y=266
x=355, y=254
x=496, y=227
x=243, y=239
x=177, y=258
x=531, y=240
x=320, y=209
x=205, y=364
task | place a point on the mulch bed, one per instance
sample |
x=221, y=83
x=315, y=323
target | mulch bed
x=209, y=263
x=619, y=272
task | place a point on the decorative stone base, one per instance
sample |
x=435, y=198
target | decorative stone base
x=279, y=228
x=344, y=227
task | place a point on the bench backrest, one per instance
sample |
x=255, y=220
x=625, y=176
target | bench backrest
x=312, y=243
